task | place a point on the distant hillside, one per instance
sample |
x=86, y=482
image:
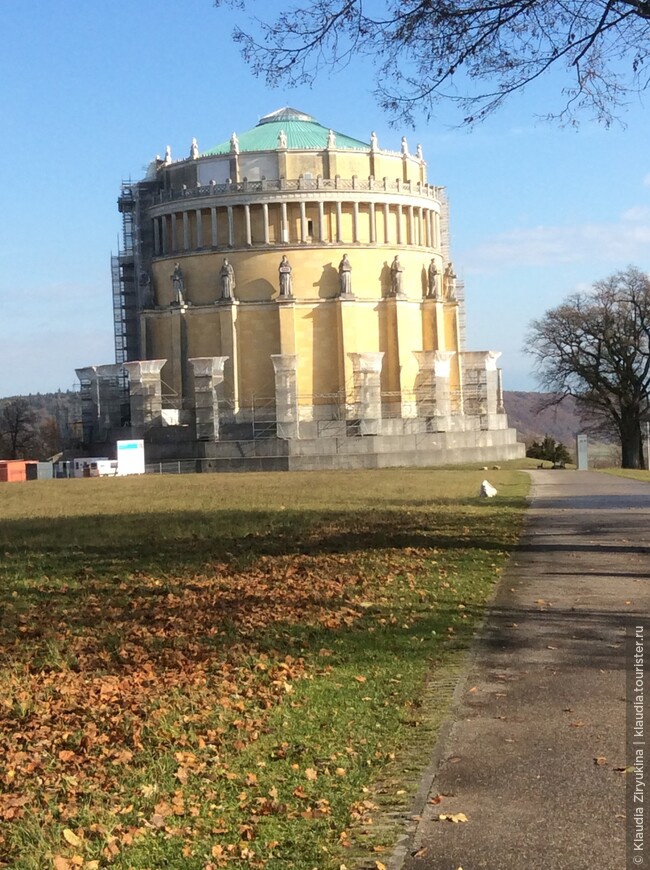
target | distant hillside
x=525, y=415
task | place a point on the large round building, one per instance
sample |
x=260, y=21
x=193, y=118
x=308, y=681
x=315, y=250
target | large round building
x=290, y=291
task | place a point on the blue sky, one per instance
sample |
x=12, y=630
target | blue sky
x=92, y=92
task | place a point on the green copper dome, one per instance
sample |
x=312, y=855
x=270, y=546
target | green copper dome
x=302, y=132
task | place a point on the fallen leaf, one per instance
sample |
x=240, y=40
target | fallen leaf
x=600, y=760
x=311, y=774
x=70, y=837
x=453, y=817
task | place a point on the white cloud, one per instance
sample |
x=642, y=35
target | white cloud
x=624, y=241
x=637, y=213
x=646, y=180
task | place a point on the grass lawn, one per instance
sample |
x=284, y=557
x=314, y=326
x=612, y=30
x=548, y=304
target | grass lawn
x=240, y=671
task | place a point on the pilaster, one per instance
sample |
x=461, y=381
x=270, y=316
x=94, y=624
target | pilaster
x=89, y=394
x=367, y=381
x=285, y=366
x=432, y=391
x=480, y=386
x=208, y=391
x=347, y=342
x=145, y=391
x=287, y=323
x=109, y=394
x=229, y=349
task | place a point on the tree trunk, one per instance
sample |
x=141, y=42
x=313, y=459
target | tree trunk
x=631, y=443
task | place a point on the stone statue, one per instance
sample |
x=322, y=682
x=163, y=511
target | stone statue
x=405, y=147
x=374, y=144
x=234, y=144
x=396, y=275
x=168, y=155
x=282, y=139
x=345, y=276
x=419, y=153
x=432, y=280
x=194, y=150
x=284, y=271
x=178, y=284
x=227, y=278
x=449, y=281
x=331, y=139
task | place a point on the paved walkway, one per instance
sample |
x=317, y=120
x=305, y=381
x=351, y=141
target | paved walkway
x=545, y=694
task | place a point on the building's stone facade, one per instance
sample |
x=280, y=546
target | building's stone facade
x=314, y=271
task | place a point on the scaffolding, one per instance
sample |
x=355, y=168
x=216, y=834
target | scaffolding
x=130, y=270
x=445, y=248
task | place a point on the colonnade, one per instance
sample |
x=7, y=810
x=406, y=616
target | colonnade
x=297, y=221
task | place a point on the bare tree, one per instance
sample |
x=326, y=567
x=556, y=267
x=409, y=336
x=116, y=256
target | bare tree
x=17, y=428
x=471, y=52
x=596, y=347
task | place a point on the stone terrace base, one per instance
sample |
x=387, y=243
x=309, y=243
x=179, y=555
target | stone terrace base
x=320, y=454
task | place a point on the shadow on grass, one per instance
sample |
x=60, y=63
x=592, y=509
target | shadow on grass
x=171, y=542
x=172, y=586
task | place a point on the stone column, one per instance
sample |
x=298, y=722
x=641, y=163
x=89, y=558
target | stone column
x=500, y=406
x=208, y=389
x=231, y=228
x=199, y=228
x=284, y=227
x=480, y=385
x=186, y=231
x=229, y=347
x=432, y=387
x=174, y=246
x=355, y=221
x=157, y=237
x=399, y=224
x=367, y=379
x=145, y=391
x=213, y=226
x=265, y=221
x=247, y=218
x=164, y=235
x=321, y=221
x=339, y=221
x=373, y=231
x=386, y=220
x=286, y=394
x=109, y=392
x=303, y=222
x=89, y=401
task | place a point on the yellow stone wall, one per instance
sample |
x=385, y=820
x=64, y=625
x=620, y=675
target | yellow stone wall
x=318, y=326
